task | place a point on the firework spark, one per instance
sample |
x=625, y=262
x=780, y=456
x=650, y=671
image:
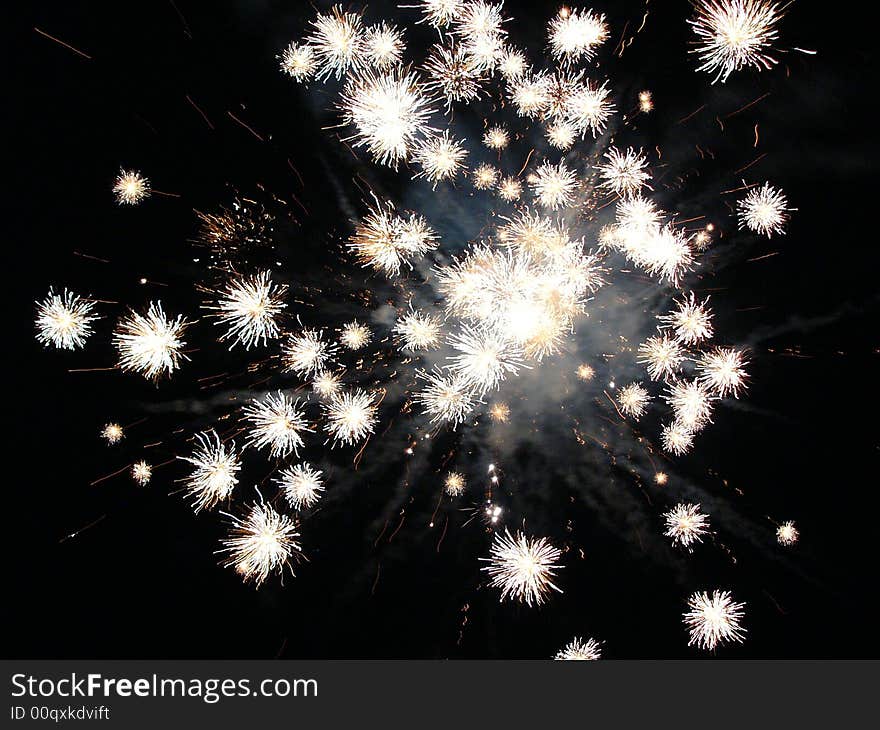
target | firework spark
x=441, y=13
x=350, y=417
x=554, y=185
x=453, y=73
x=723, y=370
x=454, y=484
x=308, y=352
x=337, y=40
x=302, y=485
x=787, y=534
x=326, y=384
x=624, y=173
x=64, y=320
x=633, y=400
x=261, y=543
x=141, y=472
x=676, y=439
x=131, y=187
x=685, y=524
x=276, y=422
x=355, y=335
x=764, y=210
x=417, y=331
x=485, y=359
x=383, y=45
x=440, y=158
x=522, y=567
x=587, y=109
x=691, y=401
x=214, y=476
x=496, y=138
x=714, y=620
x=691, y=322
x=150, y=344
x=299, y=61
x=484, y=177
x=112, y=433
x=585, y=372
x=250, y=307
x=445, y=398
x=579, y=650
x=510, y=189
x=662, y=356
x=575, y=35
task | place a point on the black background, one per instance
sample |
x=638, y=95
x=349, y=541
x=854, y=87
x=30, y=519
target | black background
x=143, y=581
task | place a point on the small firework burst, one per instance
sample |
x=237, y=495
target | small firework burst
x=530, y=94
x=307, y=352
x=561, y=135
x=633, y=399
x=624, y=173
x=587, y=109
x=302, y=485
x=691, y=322
x=499, y=412
x=454, y=484
x=661, y=478
x=337, y=40
x=355, y=335
x=446, y=398
x=64, y=320
x=764, y=210
x=441, y=13
x=635, y=212
x=585, y=372
x=484, y=358
x=383, y=45
x=676, y=439
x=575, y=35
x=554, y=185
x=440, y=158
x=522, y=567
x=250, y=307
x=390, y=113
x=112, y=433
x=714, y=620
x=326, y=384
x=417, y=331
x=298, y=61
x=277, y=422
x=214, y=476
x=734, y=34
x=723, y=370
x=385, y=241
x=691, y=402
x=261, y=543
x=513, y=64
x=131, y=187
x=579, y=650
x=477, y=17
x=510, y=189
x=453, y=73
x=350, y=417
x=496, y=138
x=685, y=524
x=484, y=176
x=662, y=356
x=150, y=344
x=141, y=472
x=787, y=534
x=646, y=102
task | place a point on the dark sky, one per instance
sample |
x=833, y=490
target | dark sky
x=144, y=582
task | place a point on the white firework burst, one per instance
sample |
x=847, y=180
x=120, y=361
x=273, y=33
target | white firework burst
x=337, y=40
x=691, y=322
x=513, y=64
x=485, y=358
x=112, y=433
x=64, y=320
x=587, y=109
x=141, y=472
x=579, y=650
x=384, y=45
x=764, y=210
x=575, y=35
x=510, y=189
x=250, y=307
x=355, y=335
x=633, y=399
x=301, y=484
x=299, y=61
x=454, y=484
x=691, y=402
x=150, y=344
x=214, y=476
x=390, y=112
x=685, y=524
x=453, y=73
x=131, y=187
x=787, y=534
x=440, y=158
x=530, y=94
x=496, y=138
x=277, y=422
x=585, y=372
x=676, y=439
x=261, y=543
x=440, y=13
x=624, y=173
x=386, y=241
x=484, y=176
x=326, y=384
x=561, y=135
x=554, y=185
x=350, y=417
x=522, y=567
x=662, y=356
x=635, y=212
x=308, y=352
x=646, y=101
x=446, y=398
x=723, y=370
x=714, y=620
x=417, y=331
x=734, y=34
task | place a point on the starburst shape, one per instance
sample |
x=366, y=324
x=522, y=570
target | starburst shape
x=523, y=567
x=714, y=620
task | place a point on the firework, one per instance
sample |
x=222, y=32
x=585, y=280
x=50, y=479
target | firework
x=417, y=331
x=276, y=422
x=385, y=241
x=496, y=138
x=131, y=187
x=691, y=322
x=723, y=370
x=734, y=34
x=636, y=213
x=484, y=177
x=787, y=534
x=662, y=356
x=692, y=404
x=633, y=400
x=646, y=102
x=485, y=359
x=390, y=113
x=661, y=478
x=676, y=439
x=64, y=320
x=522, y=567
x=337, y=40
x=307, y=352
x=499, y=412
x=141, y=472
x=214, y=476
x=561, y=136
x=624, y=173
x=764, y=210
x=355, y=335
x=575, y=35
x=260, y=544
x=302, y=485
x=714, y=620
x=530, y=94
x=479, y=27
x=454, y=484
x=513, y=64
x=150, y=344
x=326, y=384
x=298, y=60
x=579, y=650
x=441, y=13
x=585, y=372
x=510, y=189
x=440, y=158
x=383, y=45
x=446, y=398
x=350, y=417
x=250, y=307
x=685, y=524
x=112, y=433
x=453, y=73
x=587, y=109
x=554, y=185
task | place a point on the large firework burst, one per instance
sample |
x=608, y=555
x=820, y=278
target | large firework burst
x=523, y=567
x=714, y=620
x=65, y=320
